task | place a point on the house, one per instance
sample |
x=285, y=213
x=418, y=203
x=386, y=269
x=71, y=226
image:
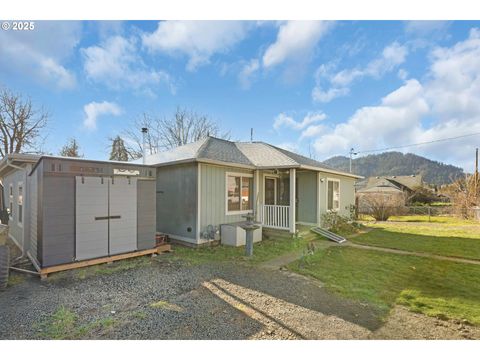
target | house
x=69, y=210
x=396, y=188
x=220, y=181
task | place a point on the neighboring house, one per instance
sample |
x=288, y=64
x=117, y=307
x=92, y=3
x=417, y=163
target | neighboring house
x=400, y=187
x=211, y=182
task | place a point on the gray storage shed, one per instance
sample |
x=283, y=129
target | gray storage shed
x=76, y=209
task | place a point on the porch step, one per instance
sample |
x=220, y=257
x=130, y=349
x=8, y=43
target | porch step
x=329, y=235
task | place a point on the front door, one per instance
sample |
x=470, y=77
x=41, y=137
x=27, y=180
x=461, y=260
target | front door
x=270, y=191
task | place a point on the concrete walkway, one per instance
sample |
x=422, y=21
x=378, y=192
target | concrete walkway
x=284, y=260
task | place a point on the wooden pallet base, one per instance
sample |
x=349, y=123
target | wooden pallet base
x=108, y=259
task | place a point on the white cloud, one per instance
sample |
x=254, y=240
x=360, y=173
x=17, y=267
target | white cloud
x=247, y=72
x=35, y=54
x=199, y=40
x=117, y=64
x=283, y=120
x=444, y=105
x=295, y=39
x=312, y=131
x=95, y=109
x=425, y=27
x=338, y=84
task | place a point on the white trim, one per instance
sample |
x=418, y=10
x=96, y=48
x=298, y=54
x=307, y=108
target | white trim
x=199, y=197
x=234, y=174
x=293, y=203
x=339, y=194
x=330, y=171
x=20, y=224
x=256, y=187
x=274, y=177
x=319, y=217
x=15, y=241
x=10, y=201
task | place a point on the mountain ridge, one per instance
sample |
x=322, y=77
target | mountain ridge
x=396, y=163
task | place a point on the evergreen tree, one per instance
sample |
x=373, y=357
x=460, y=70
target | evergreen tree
x=71, y=149
x=119, y=151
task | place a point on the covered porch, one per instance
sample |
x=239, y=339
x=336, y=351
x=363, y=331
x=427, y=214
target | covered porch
x=287, y=197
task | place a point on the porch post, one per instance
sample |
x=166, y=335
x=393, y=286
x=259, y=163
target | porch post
x=257, y=208
x=319, y=218
x=292, y=200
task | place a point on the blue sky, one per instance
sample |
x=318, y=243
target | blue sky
x=317, y=88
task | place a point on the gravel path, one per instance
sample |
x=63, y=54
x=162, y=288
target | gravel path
x=210, y=301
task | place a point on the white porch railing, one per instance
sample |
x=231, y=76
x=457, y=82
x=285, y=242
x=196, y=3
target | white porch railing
x=275, y=216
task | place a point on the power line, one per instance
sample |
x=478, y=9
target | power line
x=416, y=144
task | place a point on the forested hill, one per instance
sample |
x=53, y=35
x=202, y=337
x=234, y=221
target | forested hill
x=396, y=163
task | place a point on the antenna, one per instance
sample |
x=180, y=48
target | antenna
x=251, y=134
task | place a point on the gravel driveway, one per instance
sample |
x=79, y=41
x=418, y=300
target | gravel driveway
x=164, y=298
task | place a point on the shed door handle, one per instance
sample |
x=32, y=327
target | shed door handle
x=107, y=217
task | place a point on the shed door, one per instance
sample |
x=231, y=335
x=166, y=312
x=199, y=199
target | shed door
x=91, y=217
x=123, y=215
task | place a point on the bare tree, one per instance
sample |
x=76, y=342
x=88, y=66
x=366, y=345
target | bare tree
x=20, y=123
x=464, y=194
x=71, y=149
x=166, y=133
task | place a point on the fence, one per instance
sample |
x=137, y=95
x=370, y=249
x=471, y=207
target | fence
x=471, y=213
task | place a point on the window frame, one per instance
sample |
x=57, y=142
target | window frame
x=20, y=184
x=241, y=175
x=339, y=194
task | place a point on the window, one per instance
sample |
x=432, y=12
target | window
x=239, y=193
x=20, y=203
x=333, y=195
x=10, y=201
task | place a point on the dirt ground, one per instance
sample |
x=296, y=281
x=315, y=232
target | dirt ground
x=164, y=298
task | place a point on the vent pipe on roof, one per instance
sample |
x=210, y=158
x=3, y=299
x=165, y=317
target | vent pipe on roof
x=144, y=145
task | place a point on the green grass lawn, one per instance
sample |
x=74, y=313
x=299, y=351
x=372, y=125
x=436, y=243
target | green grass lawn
x=265, y=250
x=433, y=287
x=442, y=236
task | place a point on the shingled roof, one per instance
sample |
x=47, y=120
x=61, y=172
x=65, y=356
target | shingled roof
x=255, y=155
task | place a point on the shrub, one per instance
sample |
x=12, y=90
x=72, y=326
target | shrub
x=382, y=205
x=338, y=224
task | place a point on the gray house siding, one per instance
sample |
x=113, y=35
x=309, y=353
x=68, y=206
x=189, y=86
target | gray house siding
x=177, y=201
x=58, y=243
x=307, y=196
x=146, y=221
x=347, y=193
x=213, y=195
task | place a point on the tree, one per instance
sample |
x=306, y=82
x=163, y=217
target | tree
x=71, y=149
x=20, y=124
x=119, y=152
x=182, y=128
x=464, y=194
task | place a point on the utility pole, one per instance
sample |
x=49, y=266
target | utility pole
x=475, y=178
x=352, y=152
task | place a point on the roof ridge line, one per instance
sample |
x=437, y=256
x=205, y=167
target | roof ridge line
x=276, y=149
